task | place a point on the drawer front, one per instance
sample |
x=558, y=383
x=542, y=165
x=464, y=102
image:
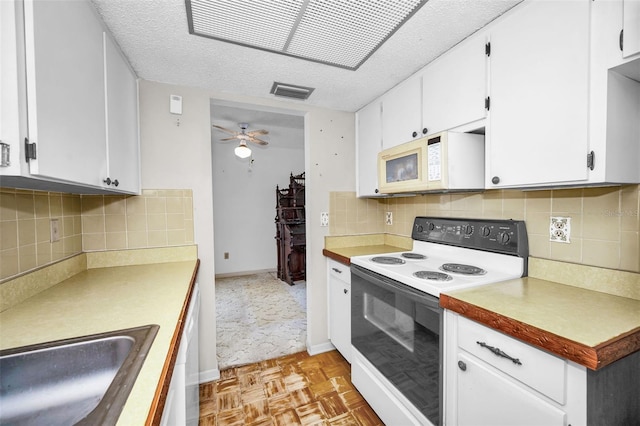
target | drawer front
x=339, y=271
x=535, y=368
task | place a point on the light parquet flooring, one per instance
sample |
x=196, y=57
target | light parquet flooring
x=296, y=389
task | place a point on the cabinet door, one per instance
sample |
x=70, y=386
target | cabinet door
x=631, y=14
x=122, y=120
x=402, y=113
x=539, y=85
x=487, y=398
x=65, y=89
x=454, y=87
x=368, y=145
x=340, y=308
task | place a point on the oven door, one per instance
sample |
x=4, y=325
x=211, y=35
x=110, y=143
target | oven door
x=397, y=329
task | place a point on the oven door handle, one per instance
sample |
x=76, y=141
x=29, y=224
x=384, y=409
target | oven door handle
x=386, y=283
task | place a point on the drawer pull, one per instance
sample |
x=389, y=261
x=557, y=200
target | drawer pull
x=498, y=352
x=462, y=365
x=337, y=270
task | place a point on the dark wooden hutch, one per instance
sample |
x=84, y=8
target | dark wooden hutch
x=290, y=231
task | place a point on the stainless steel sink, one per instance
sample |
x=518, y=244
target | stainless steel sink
x=84, y=380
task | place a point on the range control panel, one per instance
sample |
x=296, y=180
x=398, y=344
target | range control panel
x=499, y=235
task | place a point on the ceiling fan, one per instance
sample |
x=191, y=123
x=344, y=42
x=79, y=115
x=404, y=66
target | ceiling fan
x=242, y=150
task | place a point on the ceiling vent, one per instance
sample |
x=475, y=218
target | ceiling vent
x=291, y=91
x=341, y=33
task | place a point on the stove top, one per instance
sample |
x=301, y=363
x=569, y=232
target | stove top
x=451, y=254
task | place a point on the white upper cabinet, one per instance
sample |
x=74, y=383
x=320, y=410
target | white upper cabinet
x=402, y=113
x=70, y=94
x=123, y=159
x=65, y=89
x=631, y=26
x=454, y=87
x=539, y=92
x=368, y=145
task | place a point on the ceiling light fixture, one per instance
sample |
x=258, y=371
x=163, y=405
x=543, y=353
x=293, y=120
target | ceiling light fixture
x=342, y=33
x=242, y=150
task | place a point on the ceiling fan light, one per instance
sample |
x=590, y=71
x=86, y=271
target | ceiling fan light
x=242, y=150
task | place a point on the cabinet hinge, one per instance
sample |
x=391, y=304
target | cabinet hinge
x=487, y=49
x=29, y=150
x=487, y=103
x=591, y=160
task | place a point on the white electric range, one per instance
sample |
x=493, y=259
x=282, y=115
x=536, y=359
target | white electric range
x=396, y=320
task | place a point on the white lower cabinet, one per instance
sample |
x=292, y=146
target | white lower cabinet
x=494, y=379
x=519, y=386
x=339, y=279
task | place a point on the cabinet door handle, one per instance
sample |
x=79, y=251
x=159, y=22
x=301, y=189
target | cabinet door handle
x=498, y=352
x=462, y=365
x=337, y=270
x=345, y=291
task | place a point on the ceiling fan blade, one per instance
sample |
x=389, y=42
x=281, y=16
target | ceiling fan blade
x=258, y=141
x=229, y=139
x=258, y=132
x=224, y=129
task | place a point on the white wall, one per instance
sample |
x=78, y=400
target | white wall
x=245, y=200
x=179, y=156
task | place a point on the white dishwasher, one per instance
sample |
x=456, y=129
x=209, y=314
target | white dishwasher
x=182, y=406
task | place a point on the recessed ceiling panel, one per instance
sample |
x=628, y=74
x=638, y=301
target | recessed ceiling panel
x=343, y=33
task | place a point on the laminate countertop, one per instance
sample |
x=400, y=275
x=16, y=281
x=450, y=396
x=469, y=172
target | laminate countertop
x=112, y=298
x=588, y=327
x=344, y=254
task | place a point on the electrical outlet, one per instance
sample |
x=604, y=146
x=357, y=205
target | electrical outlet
x=388, y=218
x=560, y=229
x=324, y=219
x=226, y=255
x=55, y=230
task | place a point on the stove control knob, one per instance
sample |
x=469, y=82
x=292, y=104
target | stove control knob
x=485, y=231
x=467, y=229
x=420, y=228
x=504, y=238
x=431, y=226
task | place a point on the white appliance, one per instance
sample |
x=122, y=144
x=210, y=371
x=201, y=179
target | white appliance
x=396, y=320
x=446, y=161
x=182, y=406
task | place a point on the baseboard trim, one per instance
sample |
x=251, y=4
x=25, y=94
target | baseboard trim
x=321, y=348
x=209, y=376
x=241, y=274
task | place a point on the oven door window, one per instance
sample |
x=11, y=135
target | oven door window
x=397, y=329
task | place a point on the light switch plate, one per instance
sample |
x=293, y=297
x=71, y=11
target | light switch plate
x=324, y=219
x=55, y=230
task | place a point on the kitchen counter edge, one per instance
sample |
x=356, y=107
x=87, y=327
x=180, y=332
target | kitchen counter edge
x=593, y=357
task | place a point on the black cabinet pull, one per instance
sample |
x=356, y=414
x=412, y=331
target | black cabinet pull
x=414, y=134
x=345, y=291
x=424, y=130
x=621, y=41
x=462, y=366
x=498, y=352
x=495, y=180
x=337, y=270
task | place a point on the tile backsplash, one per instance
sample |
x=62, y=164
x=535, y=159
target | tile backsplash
x=156, y=218
x=605, y=222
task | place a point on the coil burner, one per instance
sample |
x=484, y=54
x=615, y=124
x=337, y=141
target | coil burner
x=387, y=260
x=460, y=268
x=414, y=256
x=432, y=275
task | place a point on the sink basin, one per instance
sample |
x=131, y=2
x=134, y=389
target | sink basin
x=83, y=380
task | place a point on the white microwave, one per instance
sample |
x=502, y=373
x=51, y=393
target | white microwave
x=447, y=161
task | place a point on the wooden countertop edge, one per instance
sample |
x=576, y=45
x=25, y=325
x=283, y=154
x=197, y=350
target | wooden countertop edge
x=593, y=358
x=160, y=396
x=335, y=256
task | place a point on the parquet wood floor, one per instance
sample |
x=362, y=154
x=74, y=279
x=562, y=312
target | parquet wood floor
x=296, y=389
